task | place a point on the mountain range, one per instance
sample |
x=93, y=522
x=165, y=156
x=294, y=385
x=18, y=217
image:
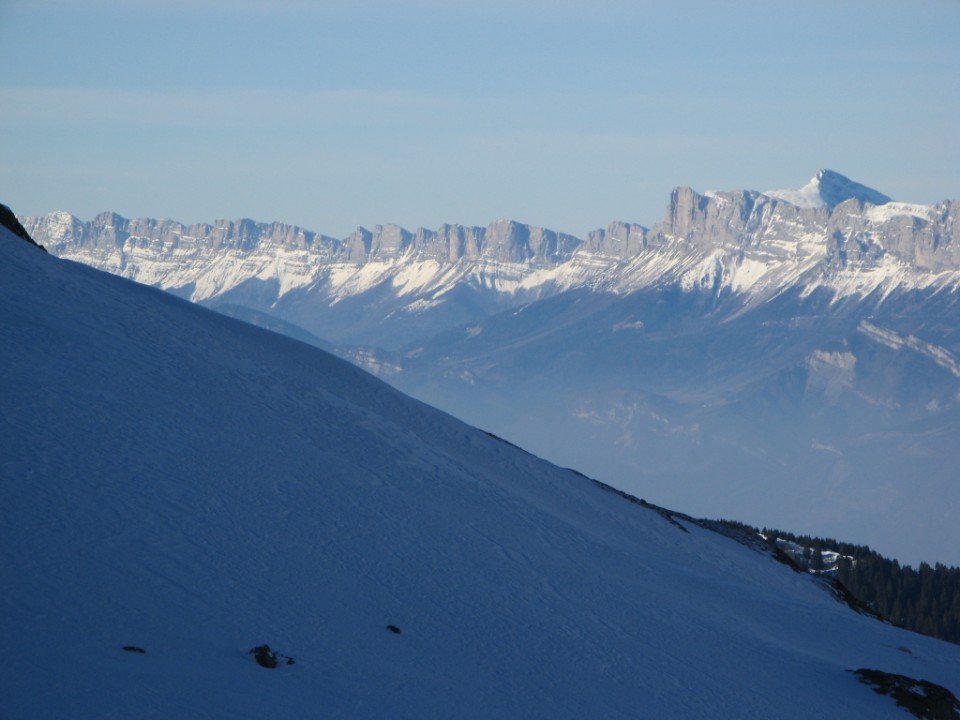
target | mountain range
x=204, y=519
x=787, y=357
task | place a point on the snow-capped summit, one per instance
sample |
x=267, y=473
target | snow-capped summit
x=827, y=189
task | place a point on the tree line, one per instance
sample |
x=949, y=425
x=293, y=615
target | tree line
x=925, y=600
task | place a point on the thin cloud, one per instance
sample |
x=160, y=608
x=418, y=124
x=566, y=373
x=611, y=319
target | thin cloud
x=249, y=108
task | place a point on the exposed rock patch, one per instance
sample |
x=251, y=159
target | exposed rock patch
x=921, y=698
x=268, y=658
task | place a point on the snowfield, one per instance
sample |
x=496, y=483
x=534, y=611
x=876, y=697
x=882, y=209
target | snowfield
x=177, y=481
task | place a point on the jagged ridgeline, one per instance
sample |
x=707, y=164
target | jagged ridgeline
x=411, y=285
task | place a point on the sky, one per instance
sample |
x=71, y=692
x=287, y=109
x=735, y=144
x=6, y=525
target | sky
x=567, y=114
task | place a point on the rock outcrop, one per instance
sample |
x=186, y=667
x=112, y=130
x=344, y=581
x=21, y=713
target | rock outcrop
x=9, y=221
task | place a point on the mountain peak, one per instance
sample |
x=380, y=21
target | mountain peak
x=835, y=188
x=828, y=189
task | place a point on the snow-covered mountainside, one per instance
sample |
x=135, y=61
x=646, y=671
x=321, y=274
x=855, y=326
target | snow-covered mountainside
x=179, y=487
x=390, y=286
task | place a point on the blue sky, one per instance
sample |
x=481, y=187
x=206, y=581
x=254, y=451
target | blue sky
x=563, y=114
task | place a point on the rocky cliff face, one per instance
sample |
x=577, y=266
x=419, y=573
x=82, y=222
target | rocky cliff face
x=832, y=233
x=761, y=244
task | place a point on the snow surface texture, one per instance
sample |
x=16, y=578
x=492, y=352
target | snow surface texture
x=180, y=482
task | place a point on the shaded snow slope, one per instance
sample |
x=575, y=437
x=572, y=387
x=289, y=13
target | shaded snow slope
x=178, y=481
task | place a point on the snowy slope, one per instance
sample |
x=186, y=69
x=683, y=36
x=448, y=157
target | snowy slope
x=178, y=481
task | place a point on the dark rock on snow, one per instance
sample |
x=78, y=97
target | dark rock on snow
x=268, y=658
x=921, y=698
